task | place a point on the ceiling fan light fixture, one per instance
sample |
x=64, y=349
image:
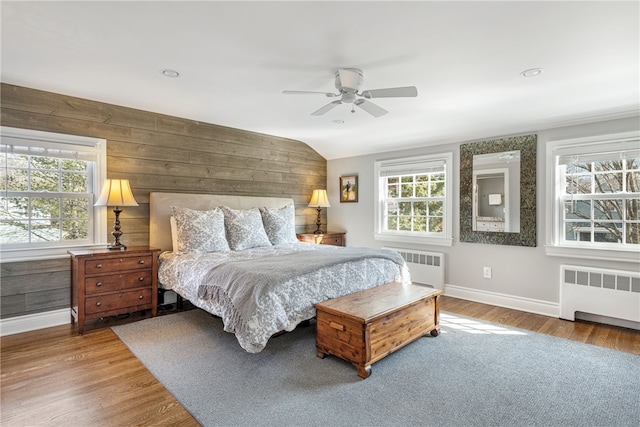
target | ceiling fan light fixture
x=349, y=80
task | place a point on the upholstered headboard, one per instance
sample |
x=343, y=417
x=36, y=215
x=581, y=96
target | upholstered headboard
x=160, y=210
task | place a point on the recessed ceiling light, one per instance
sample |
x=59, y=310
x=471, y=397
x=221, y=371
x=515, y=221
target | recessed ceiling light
x=531, y=72
x=338, y=122
x=170, y=73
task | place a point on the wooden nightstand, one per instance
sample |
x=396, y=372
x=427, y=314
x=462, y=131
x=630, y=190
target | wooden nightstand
x=329, y=238
x=110, y=282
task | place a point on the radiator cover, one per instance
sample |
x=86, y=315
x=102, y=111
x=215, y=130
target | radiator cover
x=427, y=268
x=599, y=291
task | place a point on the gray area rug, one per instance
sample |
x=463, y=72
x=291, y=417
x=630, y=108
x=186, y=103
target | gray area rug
x=474, y=374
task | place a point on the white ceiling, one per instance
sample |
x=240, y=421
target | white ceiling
x=236, y=58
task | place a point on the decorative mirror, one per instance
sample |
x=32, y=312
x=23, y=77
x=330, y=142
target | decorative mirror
x=498, y=191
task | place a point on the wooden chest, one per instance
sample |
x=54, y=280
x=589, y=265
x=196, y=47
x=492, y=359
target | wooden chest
x=365, y=326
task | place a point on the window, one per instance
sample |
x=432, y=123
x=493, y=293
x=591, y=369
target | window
x=47, y=192
x=414, y=200
x=596, y=196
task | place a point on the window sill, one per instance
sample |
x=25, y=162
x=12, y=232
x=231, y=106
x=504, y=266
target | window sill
x=434, y=241
x=19, y=255
x=619, y=255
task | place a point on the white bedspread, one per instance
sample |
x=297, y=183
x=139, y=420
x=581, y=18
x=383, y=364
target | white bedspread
x=285, y=306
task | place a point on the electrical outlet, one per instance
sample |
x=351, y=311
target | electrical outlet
x=487, y=273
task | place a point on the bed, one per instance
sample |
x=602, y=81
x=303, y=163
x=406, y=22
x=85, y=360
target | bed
x=238, y=258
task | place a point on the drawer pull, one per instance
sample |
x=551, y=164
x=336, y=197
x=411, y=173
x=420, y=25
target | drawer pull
x=141, y=261
x=141, y=279
x=141, y=297
x=99, y=284
x=337, y=326
x=120, y=260
x=99, y=266
x=98, y=303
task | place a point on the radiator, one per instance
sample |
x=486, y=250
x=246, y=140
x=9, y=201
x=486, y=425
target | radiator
x=427, y=268
x=599, y=291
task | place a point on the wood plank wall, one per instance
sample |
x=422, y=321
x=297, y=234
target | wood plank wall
x=156, y=153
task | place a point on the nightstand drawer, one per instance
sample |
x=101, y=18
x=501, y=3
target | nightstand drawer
x=120, y=301
x=107, y=265
x=116, y=282
x=332, y=240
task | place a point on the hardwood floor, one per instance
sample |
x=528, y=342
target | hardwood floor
x=56, y=377
x=613, y=337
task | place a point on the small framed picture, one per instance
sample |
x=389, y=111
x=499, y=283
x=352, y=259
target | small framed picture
x=348, y=188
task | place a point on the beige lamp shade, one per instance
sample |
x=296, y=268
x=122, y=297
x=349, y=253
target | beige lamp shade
x=116, y=192
x=319, y=199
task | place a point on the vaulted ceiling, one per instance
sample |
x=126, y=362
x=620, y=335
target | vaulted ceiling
x=235, y=58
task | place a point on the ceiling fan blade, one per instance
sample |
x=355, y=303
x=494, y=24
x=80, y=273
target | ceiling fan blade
x=392, y=92
x=371, y=108
x=305, y=92
x=330, y=106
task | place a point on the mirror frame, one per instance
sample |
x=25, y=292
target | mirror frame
x=527, y=144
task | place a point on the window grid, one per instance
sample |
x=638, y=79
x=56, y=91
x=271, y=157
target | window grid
x=600, y=201
x=45, y=199
x=415, y=203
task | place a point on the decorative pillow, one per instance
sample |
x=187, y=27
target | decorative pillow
x=244, y=228
x=280, y=224
x=199, y=231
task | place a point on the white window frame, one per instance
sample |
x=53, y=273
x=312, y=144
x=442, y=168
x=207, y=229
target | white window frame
x=554, y=244
x=95, y=146
x=443, y=239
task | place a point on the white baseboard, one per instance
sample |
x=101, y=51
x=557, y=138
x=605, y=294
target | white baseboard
x=529, y=305
x=32, y=322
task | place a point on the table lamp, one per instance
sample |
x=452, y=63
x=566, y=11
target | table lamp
x=319, y=200
x=117, y=193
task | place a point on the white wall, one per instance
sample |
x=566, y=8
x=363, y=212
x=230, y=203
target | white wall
x=522, y=277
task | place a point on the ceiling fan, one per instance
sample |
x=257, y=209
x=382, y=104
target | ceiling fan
x=348, y=82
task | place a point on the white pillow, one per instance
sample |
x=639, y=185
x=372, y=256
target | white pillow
x=199, y=231
x=174, y=233
x=280, y=224
x=244, y=228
